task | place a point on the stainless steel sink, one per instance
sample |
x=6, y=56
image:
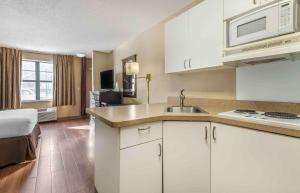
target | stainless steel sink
x=185, y=109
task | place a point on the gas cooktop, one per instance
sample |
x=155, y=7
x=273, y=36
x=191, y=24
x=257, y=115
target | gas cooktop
x=271, y=117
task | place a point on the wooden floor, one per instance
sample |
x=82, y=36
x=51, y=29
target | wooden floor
x=64, y=163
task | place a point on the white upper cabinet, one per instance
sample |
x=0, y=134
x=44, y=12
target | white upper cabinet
x=194, y=40
x=176, y=44
x=206, y=35
x=186, y=157
x=236, y=7
x=249, y=161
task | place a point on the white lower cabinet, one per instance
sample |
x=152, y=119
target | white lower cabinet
x=194, y=157
x=249, y=161
x=186, y=157
x=141, y=168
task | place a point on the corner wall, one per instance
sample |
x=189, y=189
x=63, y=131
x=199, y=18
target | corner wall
x=100, y=62
x=149, y=47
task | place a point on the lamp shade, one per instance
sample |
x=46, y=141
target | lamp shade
x=132, y=68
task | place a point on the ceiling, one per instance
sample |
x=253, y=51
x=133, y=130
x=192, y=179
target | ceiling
x=79, y=26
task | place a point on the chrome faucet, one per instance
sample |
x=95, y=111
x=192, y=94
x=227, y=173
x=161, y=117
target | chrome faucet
x=182, y=98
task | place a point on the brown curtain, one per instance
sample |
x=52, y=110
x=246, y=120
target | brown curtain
x=10, y=78
x=83, y=86
x=64, y=83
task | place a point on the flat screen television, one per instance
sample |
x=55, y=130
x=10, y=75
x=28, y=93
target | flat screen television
x=107, y=79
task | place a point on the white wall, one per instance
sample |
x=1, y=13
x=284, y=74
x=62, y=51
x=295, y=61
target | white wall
x=149, y=47
x=279, y=82
x=100, y=62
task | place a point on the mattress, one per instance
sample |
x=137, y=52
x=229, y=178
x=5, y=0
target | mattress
x=15, y=123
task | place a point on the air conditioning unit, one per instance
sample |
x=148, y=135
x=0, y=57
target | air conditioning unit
x=47, y=114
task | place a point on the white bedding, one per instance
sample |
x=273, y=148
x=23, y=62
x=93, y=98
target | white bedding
x=15, y=123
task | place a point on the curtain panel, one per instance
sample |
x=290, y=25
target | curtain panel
x=10, y=78
x=64, y=81
x=83, y=86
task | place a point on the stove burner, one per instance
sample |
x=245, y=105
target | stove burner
x=281, y=115
x=249, y=111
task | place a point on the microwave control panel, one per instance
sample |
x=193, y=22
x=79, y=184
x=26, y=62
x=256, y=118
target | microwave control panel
x=285, y=14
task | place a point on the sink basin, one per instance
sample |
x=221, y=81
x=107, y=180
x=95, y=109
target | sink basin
x=185, y=109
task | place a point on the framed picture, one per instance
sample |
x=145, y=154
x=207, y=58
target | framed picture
x=129, y=81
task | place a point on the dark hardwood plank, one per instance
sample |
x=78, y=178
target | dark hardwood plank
x=56, y=162
x=44, y=178
x=59, y=183
x=28, y=185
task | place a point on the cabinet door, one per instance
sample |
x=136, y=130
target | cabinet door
x=236, y=7
x=176, y=44
x=263, y=2
x=248, y=161
x=141, y=168
x=206, y=34
x=186, y=157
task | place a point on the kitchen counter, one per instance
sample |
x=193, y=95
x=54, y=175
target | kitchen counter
x=123, y=116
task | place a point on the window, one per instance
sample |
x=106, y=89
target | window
x=37, y=80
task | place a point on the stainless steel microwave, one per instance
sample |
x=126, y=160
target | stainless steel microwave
x=275, y=19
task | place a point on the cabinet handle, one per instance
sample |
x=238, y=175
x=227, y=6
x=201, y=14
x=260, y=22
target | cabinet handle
x=254, y=2
x=184, y=65
x=214, y=133
x=160, y=150
x=206, y=133
x=144, y=129
x=190, y=60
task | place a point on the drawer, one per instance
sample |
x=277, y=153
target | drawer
x=130, y=136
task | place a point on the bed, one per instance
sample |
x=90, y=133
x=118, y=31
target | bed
x=19, y=133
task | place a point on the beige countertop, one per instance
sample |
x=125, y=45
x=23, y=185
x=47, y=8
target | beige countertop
x=123, y=116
